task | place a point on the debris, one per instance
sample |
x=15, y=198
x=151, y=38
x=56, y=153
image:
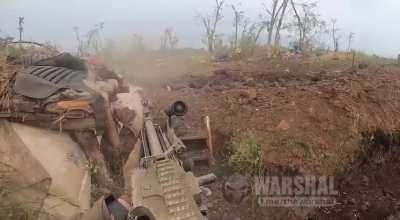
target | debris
x=362, y=66
x=206, y=179
x=207, y=191
x=236, y=189
x=230, y=216
x=395, y=216
x=283, y=125
x=198, y=83
x=220, y=72
x=109, y=86
x=365, y=180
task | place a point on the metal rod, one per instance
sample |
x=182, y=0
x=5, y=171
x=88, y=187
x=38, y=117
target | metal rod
x=161, y=139
x=145, y=145
x=166, y=140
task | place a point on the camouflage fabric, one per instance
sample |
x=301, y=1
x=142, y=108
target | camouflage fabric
x=42, y=81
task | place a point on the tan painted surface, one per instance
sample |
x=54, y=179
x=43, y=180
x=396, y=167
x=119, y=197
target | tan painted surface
x=21, y=174
x=65, y=163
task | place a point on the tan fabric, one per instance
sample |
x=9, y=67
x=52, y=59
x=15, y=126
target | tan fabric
x=131, y=165
x=45, y=171
x=21, y=174
x=99, y=211
x=55, y=208
x=63, y=160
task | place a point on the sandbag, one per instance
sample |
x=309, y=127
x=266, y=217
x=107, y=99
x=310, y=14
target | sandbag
x=48, y=167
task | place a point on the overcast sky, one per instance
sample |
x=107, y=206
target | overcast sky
x=375, y=22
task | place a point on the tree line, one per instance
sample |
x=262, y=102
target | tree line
x=299, y=19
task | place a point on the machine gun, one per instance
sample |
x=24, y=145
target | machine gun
x=164, y=191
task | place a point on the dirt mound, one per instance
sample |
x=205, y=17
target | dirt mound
x=369, y=187
x=307, y=118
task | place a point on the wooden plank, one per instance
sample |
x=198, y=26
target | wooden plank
x=209, y=142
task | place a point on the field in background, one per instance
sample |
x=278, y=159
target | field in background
x=149, y=67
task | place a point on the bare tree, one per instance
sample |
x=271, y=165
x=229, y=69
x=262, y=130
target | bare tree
x=210, y=23
x=164, y=40
x=300, y=26
x=169, y=40
x=246, y=33
x=93, y=42
x=237, y=22
x=280, y=21
x=350, y=41
x=308, y=22
x=272, y=12
x=276, y=13
x=80, y=42
x=90, y=43
x=138, y=43
x=335, y=39
x=250, y=35
x=257, y=29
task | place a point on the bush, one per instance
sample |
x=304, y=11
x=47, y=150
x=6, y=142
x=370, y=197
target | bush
x=244, y=156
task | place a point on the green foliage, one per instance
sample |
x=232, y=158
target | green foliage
x=244, y=155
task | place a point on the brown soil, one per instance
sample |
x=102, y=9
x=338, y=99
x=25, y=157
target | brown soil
x=309, y=117
x=306, y=120
x=369, y=187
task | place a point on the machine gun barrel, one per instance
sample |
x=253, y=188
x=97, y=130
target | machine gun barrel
x=165, y=189
x=153, y=141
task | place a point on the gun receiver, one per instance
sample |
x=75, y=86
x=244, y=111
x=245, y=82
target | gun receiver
x=165, y=189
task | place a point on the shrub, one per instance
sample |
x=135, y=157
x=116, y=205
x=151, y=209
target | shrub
x=244, y=155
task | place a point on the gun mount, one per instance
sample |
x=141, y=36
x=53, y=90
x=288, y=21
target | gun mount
x=165, y=190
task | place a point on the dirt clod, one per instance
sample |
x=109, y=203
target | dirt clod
x=236, y=188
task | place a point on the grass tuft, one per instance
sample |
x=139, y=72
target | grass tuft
x=244, y=155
